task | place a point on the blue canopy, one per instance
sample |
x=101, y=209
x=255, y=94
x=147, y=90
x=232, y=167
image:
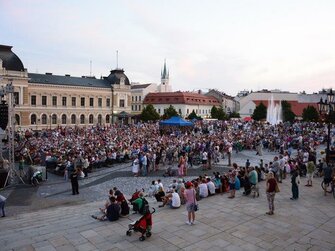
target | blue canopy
x=175, y=121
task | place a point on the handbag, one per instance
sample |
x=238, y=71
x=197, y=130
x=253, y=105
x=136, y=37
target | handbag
x=277, y=190
x=195, y=205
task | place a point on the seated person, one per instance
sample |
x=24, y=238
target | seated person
x=121, y=200
x=172, y=199
x=203, y=189
x=138, y=204
x=108, y=202
x=210, y=186
x=153, y=188
x=160, y=194
x=112, y=212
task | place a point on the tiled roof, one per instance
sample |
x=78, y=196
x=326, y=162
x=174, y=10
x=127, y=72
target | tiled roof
x=68, y=80
x=296, y=107
x=189, y=98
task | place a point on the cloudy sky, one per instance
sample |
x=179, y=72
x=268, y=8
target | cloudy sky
x=228, y=45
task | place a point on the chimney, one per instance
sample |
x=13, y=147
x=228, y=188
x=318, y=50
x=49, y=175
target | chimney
x=67, y=75
x=48, y=73
x=199, y=91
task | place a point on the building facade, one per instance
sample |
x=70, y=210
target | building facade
x=48, y=101
x=138, y=93
x=228, y=103
x=183, y=102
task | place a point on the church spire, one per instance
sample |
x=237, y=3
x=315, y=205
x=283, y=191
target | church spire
x=164, y=72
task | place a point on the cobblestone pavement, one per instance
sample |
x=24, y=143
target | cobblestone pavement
x=64, y=222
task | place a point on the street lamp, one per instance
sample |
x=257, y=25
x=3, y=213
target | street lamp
x=327, y=107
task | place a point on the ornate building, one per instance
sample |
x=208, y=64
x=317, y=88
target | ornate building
x=47, y=100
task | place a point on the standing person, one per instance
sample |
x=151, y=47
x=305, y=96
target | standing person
x=328, y=175
x=271, y=184
x=2, y=205
x=136, y=166
x=21, y=166
x=86, y=164
x=144, y=164
x=310, y=173
x=204, y=159
x=181, y=165
x=74, y=181
x=295, y=180
x=191, y=203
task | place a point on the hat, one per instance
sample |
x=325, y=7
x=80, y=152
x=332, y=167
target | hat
x=189, y=183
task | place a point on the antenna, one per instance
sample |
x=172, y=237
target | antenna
x=90, y=68
x=117, y=59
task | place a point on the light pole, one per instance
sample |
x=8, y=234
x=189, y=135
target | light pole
x=112, y=104
x=327, y=108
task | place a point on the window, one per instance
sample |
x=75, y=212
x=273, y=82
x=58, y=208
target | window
x=99, y=102
x=33, y=119
x=179, y=111
x=108, y=102
x=82, y=102
x=99, y=119
x=187, y=111
x=136, y=98
x=63, y=101
x=82, y=119
x=139, y=107
x=135, y=107
x=44, y=100
x=159, y=111
x=33, y=100
x=17, y=119
x=73, y=119
x=54, y=100
x=91, y=102
x=139, y=98
x=90, y=119
x=121, y=103
x=54, y=119
x=107, y=118
x=132, y=98
x=63, y=119
x=44, y=119
x=250, y=111
x=16, y=98
x=132, y=107
x=74, y=101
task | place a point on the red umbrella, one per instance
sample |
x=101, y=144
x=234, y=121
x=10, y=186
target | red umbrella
x=247, y=119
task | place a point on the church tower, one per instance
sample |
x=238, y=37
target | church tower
x=164, y=86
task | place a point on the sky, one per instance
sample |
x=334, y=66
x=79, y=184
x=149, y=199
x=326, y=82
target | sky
x=230, y=45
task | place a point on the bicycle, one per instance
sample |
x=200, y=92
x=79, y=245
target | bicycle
x=330, y=187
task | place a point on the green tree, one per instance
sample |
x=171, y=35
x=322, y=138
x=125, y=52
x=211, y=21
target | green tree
x=149, y=114
x=259, y=112
x=221, y=115
x=214, y=112
x=193, y=115
x=170, y=112
x=234, y=115
x=310, y=114
x=288, y=115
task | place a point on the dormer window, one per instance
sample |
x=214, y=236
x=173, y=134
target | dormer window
x=122, y=79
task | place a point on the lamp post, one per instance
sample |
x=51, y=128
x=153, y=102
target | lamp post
x=112, y=104
x=327, y=108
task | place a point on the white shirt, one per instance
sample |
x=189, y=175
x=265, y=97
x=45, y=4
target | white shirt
x=211, y=187
x=175, y=200
x=203, y=190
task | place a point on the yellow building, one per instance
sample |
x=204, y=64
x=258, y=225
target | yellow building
x=47, y=101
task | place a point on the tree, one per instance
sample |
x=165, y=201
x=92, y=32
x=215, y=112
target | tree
x=170, y=112
x=259, y=112
x=221, y=115
x=234, y=115
x=149, y=114
x=288, y=115
x=193, y=115
x=310, y=114
x=214, y=112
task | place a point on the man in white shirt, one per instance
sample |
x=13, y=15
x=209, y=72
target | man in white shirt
x=210, y=186
x=203, y=189
x=172, y=199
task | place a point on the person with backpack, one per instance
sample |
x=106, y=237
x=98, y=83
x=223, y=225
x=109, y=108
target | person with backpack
x=140, y=204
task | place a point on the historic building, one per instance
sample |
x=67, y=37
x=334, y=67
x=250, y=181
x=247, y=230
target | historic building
x=228, y=103
x=183, y=102
x=48, y=100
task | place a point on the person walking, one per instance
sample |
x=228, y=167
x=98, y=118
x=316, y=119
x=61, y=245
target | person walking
x=191, y=202
x=74, y=181
x=310, y=173
x=271, y=184
x=2, y=205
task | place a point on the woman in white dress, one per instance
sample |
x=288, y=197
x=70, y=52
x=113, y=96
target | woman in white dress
x=135, y=166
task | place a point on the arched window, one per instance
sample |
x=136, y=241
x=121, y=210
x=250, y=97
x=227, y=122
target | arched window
x=64, y=119
x=82, y=119
x=44, y=119
x=33, y=119
x=54, y=119
x=107, y=118
x=73, y=119
x=17, y=119
x=99, y=119
x=90, y=119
